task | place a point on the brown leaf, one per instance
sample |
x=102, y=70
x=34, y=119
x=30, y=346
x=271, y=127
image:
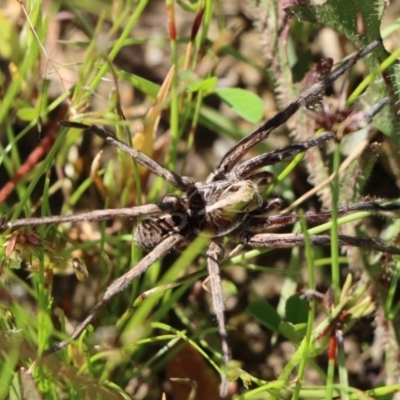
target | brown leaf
x=192, y=378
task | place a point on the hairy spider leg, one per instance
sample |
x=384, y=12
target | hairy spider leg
x=261, y=178
x=246, y=168
x=232, y=157
x=120, y=284
x=215, y=254
x=183, y=183
x=97, y=215
x=288, y=240
x=260, y=223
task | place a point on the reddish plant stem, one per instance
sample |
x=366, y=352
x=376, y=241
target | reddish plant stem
x=35, y=156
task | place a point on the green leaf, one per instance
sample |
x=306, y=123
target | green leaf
x=296, y=310
x=27, y=114
x=146, y=86
x=294, y=333
x=246, y=104
x=265, y=314
x=186, y=6
x=340, y=15
x=202, y=84
x=246, y=379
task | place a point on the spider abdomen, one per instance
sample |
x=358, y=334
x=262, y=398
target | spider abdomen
x=152, y=231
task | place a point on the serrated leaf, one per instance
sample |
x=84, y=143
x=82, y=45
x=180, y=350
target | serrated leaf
x=245, y=103
x=265, y=314
x=343, y=16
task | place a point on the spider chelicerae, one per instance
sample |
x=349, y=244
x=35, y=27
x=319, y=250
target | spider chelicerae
x=228, y=205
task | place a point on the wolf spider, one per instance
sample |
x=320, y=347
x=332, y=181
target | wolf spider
x=229, y=204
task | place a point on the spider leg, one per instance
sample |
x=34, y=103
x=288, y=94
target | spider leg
x=267, y=206
x=214, y=256
x=97, y=215
x=375, y=109
x=259, y=223
x=182, y=183
x=232, y=157
x=120, y=284
x=262, y=178
x=288, y=240
x=245, y=169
